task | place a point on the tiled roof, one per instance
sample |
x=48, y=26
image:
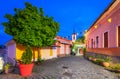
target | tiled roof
x=63, y=40
x=4, y=38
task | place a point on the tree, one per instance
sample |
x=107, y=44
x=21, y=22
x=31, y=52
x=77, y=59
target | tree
x=81, y=40
x=29, y=26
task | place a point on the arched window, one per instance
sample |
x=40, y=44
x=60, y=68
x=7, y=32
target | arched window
x=97, y=41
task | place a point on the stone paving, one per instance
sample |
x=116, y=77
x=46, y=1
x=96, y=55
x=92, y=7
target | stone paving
x=71, y=67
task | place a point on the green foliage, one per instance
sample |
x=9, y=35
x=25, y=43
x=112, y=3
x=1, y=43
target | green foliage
x=108, y=59
x=27, y=56
x=29, y=26
x=99, y=56
x=99, y=61
x=114, y=67
x=74, y=48
x=39, y=60
x=81, y=40
x=84, y=51
x=7, y=66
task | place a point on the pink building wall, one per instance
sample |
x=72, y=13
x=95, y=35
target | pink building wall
x=102, y=26
x=63, y=46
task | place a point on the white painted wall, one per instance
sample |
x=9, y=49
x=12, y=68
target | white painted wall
x=62, y=49
x=54, y=52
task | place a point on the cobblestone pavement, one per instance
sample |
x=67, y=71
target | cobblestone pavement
x=71, y=67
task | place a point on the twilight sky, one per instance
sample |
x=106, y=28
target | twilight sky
x=71, y=14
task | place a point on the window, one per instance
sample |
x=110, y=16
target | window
x=91, y=43
x=106, y=40
x=97, y=41
x=119, y=36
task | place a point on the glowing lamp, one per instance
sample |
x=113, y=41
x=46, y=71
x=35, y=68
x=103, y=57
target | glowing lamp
x=110, y=20
x=96, y=27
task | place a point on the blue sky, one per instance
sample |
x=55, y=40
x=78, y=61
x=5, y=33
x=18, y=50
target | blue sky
x=71, y=14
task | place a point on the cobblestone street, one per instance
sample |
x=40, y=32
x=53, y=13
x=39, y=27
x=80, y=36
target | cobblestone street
x=71, y=67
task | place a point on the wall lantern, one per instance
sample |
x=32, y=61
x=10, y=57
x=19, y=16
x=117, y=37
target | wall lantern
x=96, y=27
x=110, y=20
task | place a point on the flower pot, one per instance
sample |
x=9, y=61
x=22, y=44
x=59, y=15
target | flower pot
x=90, y=58
x=94, y=59
x=6, y=71
x=26, y=69
x=106, y=64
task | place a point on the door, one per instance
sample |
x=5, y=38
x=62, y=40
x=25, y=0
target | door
x=91, y=43
x=106, y=40
x=97, y=41
x=119, y=36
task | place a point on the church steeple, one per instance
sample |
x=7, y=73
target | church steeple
x=74, y=35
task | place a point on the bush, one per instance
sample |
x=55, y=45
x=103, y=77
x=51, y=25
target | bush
x=108, y=59
x=99, y=61
x=27, y=56
x=84, y=51
x=114, y=67
x=39, y=60
x=7, y=66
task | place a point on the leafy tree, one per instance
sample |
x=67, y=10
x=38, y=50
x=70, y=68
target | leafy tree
x=29, y=26
x=81, y=40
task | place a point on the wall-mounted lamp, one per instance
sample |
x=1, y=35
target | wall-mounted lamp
x=95, y=26
x=110, y=20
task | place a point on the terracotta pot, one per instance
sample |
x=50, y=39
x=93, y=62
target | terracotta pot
x=94, y=59
x=106, y=64
x=90, y=58
x=6, y=71
x=26, y=69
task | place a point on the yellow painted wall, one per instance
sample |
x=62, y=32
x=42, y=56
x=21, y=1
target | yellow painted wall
x=51, y=51
x=19, y=50
x=45, y=53
x=36, y=52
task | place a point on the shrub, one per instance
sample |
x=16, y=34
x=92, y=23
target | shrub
x=108, y=59
x=84, y=51
x=27, y=56
x=99, y=61
x=39, y=60
x=7, y=66
x=114, y=67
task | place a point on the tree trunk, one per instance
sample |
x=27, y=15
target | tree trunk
x=33, y=54
x=39, y=53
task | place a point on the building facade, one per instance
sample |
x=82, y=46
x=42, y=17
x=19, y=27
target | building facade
x=103, y=37
x=60, y=48
x=63, y=46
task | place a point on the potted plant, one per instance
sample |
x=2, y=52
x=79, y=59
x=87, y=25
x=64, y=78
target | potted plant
x=7, y=66
x=107, y=61
x=39, y=61
x=90, y=58
x=94, y=59
x=114, y=68
x=26, y=64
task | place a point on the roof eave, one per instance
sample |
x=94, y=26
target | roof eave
x=106, y=9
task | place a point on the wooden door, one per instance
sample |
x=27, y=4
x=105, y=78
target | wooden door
x=91, y=43
x=106, y=40
x=119, y=36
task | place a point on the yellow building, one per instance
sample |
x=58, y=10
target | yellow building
x=15, y=51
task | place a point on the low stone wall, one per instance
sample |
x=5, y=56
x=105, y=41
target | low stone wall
x=105, y=51
x=115, y=59
x=112, y=52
